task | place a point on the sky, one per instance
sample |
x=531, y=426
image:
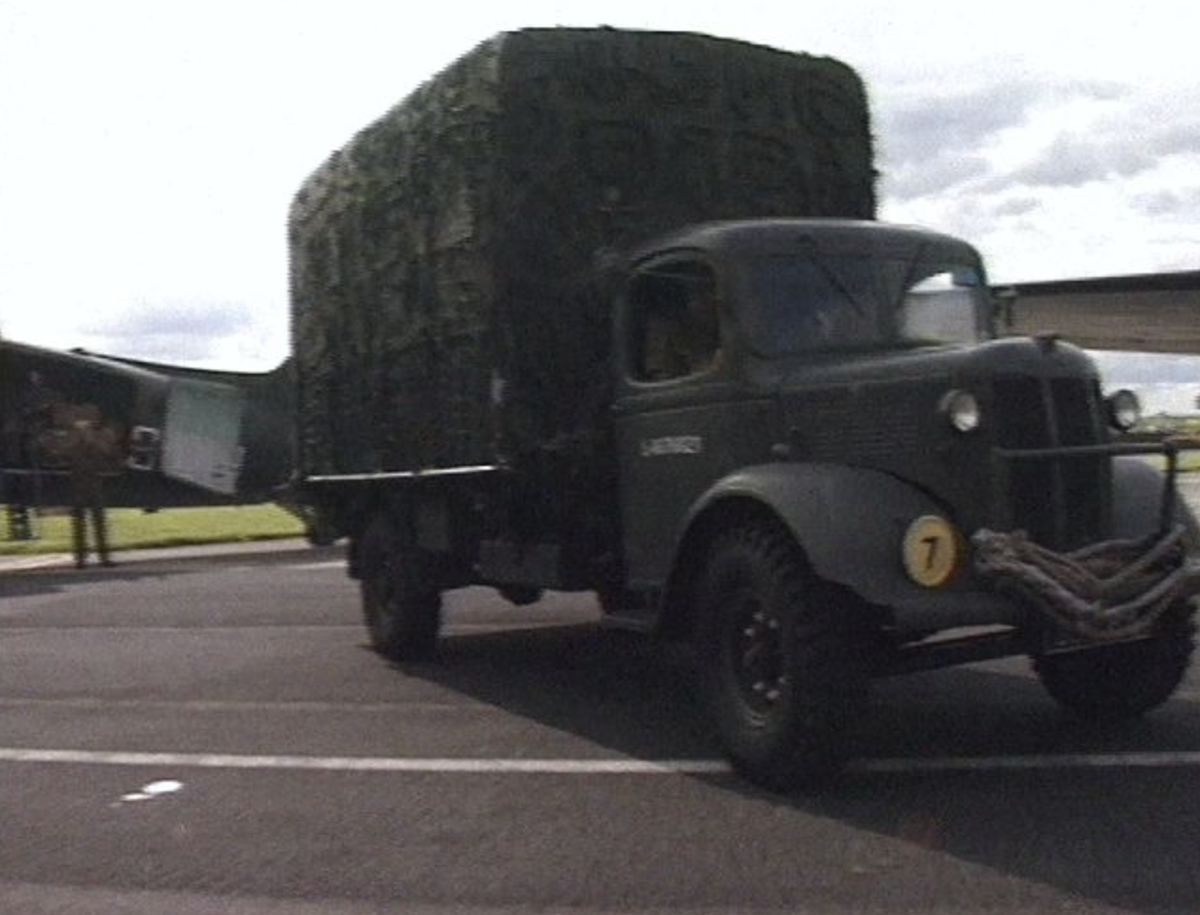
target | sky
x=149, y=150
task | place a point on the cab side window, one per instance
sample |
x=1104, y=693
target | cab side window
x=676, y=321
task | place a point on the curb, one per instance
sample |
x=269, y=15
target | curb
x=17, y=564
x=28, y=563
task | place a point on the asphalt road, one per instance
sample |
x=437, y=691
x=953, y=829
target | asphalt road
x=212, y=735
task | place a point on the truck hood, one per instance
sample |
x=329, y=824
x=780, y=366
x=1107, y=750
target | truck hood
x=1040, y=357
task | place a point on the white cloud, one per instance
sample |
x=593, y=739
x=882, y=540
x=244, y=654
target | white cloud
x=150, y=150
x=174, y=331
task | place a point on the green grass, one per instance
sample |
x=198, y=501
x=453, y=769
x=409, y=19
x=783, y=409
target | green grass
x=131, y=528
x=1189, y=461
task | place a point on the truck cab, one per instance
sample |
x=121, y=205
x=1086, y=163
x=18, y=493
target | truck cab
x=831, y=469
x=785, y=342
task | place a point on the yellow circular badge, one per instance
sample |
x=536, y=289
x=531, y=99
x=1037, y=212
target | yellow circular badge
x=932, y=551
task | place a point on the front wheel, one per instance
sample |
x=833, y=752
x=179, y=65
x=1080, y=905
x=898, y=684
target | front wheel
x=783, y=674
x=1117, y=682
x=402, y=610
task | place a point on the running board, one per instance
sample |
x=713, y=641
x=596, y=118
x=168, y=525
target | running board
x=950, y=652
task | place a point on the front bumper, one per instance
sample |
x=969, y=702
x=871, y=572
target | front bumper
x=1111, y=590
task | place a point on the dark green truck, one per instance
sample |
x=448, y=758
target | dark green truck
x=608, y=311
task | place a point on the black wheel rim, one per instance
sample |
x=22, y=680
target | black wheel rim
x=754, y=652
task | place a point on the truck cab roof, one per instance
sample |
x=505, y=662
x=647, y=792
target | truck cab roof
x=833, y=236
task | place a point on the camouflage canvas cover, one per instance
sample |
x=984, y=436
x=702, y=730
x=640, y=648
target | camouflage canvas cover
x=447, y=306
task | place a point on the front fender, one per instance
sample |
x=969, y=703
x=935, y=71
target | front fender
x=849, y=521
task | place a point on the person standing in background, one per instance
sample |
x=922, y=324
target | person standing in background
x=91, y=450
x=30, y=425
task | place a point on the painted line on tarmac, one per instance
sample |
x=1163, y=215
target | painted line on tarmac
x=312, y=566
x=500, y=766
x=1131, y=760
x=199, y=628
x=73, y=703
x=370, y=764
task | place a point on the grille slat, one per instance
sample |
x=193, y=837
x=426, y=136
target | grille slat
x=1062, y=502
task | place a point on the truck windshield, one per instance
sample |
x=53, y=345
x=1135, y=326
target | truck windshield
x=806, y=304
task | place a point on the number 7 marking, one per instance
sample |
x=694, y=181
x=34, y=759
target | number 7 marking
x=931, y=553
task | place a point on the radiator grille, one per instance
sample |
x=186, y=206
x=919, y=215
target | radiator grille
x=1060, y=502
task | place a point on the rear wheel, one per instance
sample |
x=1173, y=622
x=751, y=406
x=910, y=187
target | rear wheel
x=1118, y=682
x=401, y=609
x=783, y=674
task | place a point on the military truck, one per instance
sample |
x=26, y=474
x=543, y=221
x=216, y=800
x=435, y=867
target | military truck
x=609, y=311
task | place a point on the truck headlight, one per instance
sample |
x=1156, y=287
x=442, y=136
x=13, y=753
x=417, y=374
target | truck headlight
x=1124, y=409
x=961, y=410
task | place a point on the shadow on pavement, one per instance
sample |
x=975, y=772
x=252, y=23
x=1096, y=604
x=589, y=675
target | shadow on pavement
x=622, y=691
x=1122, y=836
x=58, y=579
x=144, y=564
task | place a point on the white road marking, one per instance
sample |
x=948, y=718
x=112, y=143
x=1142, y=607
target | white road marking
x=198, y=629
x=501, y=766
x=368, y=764
x=314, y=566
x=152, y=791
x=1131, y=760
x=82, y=703
x=450, y=628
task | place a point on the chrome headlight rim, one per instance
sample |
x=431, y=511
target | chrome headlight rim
x=961, y=410
x=1124, y=409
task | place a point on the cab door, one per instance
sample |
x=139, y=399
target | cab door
x=678, y=409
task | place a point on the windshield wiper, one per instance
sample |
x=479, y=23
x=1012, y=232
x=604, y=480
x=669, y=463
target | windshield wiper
x=909, y=274
x=837, y=281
